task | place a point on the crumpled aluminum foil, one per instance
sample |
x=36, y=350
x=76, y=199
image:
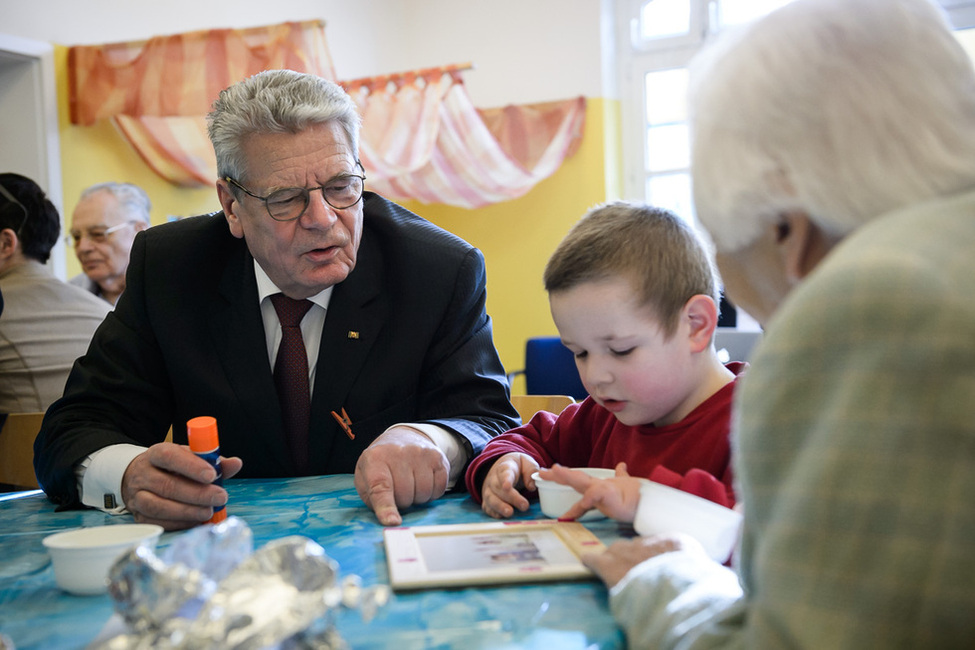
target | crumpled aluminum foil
x=210, y=589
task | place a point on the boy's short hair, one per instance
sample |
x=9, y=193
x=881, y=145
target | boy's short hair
x=658, y=251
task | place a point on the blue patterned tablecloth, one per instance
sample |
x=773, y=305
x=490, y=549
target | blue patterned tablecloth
x=34, y=613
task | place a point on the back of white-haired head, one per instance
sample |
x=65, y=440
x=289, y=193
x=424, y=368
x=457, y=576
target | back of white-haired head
x=842, y=109
x=132, y=198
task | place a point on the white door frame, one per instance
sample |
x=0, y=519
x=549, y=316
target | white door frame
x=30, y=142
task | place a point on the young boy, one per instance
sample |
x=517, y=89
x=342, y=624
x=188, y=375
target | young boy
x=634, y=295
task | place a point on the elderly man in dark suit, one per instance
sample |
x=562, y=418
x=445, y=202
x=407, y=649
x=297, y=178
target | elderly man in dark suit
x=400, y=379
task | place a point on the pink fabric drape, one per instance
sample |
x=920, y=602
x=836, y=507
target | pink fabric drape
x=176, y=148
x=425, y=140
x=421, y=139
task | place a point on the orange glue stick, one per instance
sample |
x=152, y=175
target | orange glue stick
x=202, y=432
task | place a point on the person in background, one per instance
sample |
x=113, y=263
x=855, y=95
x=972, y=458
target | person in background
x=388, y=369
x=103, y=226
x=634, y=294
x=46, y=323
x=833, y=163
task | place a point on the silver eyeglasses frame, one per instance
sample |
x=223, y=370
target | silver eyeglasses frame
x=304, y=193
x=73, y=239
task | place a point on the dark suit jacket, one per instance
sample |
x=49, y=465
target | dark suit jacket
x=406, y=339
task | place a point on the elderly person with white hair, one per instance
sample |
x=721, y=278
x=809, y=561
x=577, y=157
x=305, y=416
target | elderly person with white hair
x=103, y=227
x=834, y=166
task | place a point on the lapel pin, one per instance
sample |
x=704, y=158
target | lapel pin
x=353, y=334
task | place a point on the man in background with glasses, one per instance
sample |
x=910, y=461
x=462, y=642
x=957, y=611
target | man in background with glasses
x=46, y=323
x=103, y=226
x=327, y=330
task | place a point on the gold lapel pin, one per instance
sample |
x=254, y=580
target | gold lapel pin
x=353, y=334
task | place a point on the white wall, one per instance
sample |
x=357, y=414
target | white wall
x=523, y=50
x=29, y=138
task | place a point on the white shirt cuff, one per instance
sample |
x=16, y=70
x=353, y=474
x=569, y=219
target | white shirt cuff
x=100, y=477
x=448, y=443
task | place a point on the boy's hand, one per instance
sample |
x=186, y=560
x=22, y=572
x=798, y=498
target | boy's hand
x=616, y=497
x=499, y=494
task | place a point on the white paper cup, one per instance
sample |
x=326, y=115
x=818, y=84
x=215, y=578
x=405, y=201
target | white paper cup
x=555, y=498
x=664, y=509
x=83, y=556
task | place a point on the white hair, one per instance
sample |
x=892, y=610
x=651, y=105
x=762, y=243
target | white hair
x=841, y=109
x=276, y=101
x=132, y=198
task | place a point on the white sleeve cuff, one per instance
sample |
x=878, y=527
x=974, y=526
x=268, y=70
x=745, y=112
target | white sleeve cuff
x=669, y=600
x=100, y=477
x=448, y=443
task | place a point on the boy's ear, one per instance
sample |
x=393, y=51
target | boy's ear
x=702, y=315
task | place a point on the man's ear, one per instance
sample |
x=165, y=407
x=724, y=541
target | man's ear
x=802, y=244
x=8, y=243
x=229, y=204
x=701, y=314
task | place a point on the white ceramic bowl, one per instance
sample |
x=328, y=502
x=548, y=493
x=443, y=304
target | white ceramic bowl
x=556, y=498
x=665, y=509
x=83, y=556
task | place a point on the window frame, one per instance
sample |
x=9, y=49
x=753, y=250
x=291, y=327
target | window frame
x=637, y=57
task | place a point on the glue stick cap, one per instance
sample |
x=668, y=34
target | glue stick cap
x=202, y=432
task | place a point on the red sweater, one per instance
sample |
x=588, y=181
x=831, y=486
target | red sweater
x=692, y=455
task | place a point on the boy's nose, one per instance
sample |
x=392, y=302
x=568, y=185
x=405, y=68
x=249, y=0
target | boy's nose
x=594, y=374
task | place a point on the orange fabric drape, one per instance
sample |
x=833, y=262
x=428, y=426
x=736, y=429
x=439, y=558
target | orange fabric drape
x=182, y=74
x=421, y=138
x=525, y=131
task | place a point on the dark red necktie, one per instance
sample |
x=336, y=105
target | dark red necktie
x=291, y=376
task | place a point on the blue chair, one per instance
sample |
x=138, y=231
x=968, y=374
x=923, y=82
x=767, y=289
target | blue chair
x=550, y=369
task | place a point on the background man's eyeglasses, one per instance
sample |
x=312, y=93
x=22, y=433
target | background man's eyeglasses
x=97, y=235
x=13, y=200
x=290, y=203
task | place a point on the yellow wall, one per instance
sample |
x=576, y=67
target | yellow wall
x=96, y=154
x=516, y=236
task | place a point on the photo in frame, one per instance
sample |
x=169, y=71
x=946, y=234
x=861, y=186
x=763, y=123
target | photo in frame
x=490, y=553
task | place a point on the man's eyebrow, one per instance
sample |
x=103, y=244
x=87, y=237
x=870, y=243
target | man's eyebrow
x=91, y=228
x=342, y=175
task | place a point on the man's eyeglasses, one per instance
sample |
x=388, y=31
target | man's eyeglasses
x=13, y=200
x=97, y=235
x=290, y=203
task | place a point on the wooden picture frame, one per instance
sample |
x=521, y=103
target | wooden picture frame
x=490, y=553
